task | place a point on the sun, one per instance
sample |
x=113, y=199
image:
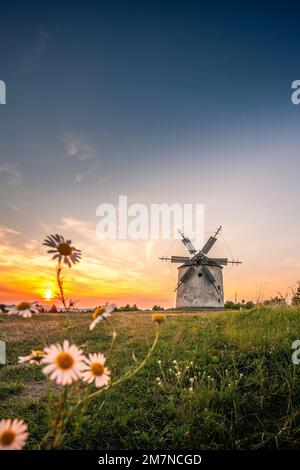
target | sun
x=48, y=294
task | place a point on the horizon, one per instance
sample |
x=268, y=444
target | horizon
x=163, y=103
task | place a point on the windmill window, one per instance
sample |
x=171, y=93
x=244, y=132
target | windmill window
x=199, y=274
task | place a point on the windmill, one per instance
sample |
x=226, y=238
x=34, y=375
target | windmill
x=200, y=278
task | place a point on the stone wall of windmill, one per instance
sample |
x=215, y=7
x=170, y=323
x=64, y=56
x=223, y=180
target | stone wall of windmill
x=198, y=291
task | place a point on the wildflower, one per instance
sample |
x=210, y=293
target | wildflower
x=13, y=434
x=94, y=370
x=101, y=313
x=34, y=357
x=24, y=309
x=192, y=380
x=191, y=389
x=62, y=249
x=64, y=363
x=158, y=317
x=159, y=362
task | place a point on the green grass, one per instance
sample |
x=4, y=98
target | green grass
x=246, y=391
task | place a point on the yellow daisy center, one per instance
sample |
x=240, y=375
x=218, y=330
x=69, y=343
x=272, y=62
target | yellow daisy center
x=7, y=437
x=64, y=360
x=23, y=306
x=37, y=352
x=37, y=355
x=64, y=249
x=97, y=369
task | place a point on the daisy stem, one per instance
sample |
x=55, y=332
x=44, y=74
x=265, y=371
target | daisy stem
x=60, y=285
x=117, y=382
x=125, y=376
x=59, y=421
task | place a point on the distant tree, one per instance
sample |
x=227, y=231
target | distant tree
x=128, y=308
x=229, y=304
x=3, y=308
x=275, y=301
x=155, y=308
x=53, y=309
x=249, y=305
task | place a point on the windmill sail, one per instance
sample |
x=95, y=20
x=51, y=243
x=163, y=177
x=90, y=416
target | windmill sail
x=187, y=274
x=189, y=246
x=220, y=261
x=208, y=245
x=179, y=259
x=208, y=274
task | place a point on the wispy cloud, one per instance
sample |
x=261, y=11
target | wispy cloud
x=85, y=174
x=14, y=175
x=76, y=146
x=4, y=231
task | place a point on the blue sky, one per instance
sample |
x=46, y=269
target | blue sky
x=162, y=101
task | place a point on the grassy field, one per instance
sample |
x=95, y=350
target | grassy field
x=236, y=388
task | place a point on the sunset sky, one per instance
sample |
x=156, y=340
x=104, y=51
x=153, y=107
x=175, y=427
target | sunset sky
x=164, y=102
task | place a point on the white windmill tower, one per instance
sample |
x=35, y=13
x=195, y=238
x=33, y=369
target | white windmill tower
x=200, y=278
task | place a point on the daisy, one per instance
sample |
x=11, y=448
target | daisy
x=95, y=371
x=24, y=309
x=34, y=357
x=100, y=313
x=13, y=434
x=64, y=363
x=62, y=249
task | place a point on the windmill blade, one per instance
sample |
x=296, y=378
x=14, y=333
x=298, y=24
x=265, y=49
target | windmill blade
x=208, y=245
x=179, y=259
x=210, y=278
x=187, y=274
x=218, y=261
x=208, y=275
x=188, y=244
x=210, y=242
x=185, y=277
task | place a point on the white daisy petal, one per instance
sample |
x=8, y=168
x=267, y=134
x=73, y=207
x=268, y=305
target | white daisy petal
x=95, y=371
x=13, y=434
x=63, y=363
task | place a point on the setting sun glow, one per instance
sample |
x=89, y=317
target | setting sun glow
x=48, y=294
